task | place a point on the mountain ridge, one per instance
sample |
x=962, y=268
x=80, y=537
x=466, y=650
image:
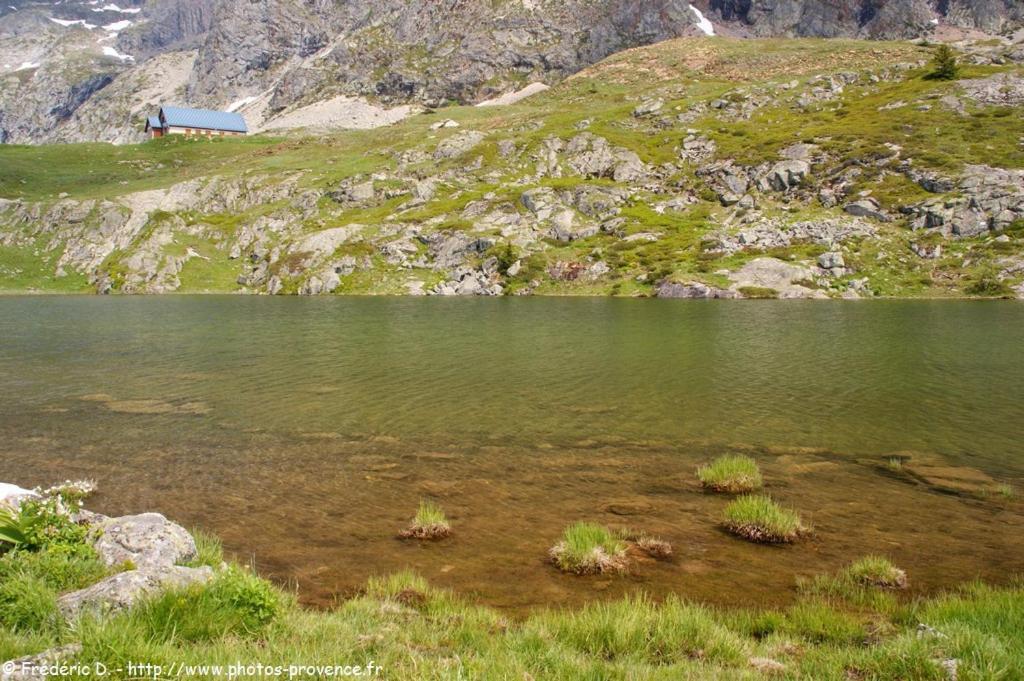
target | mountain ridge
x=56, y=57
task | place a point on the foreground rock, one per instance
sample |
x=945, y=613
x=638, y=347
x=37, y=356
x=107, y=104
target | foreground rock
x=146, y=541
x=121, y=591
x=31, y=667
x=11, y=496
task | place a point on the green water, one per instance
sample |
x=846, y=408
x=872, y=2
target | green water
x=304, y=431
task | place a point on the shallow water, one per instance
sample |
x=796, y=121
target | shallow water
x=304, y=431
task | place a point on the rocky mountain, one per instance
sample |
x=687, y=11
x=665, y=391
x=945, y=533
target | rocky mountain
x=691, y=168
x=274, y=57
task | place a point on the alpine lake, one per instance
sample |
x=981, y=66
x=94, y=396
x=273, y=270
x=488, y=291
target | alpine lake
x=305, y=431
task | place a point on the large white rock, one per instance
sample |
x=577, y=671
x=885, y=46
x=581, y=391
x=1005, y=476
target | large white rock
x=11, y=496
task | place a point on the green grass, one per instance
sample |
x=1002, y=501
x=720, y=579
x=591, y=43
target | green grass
x=760, y=519
x=430, y=522
x=209, y=550
x=731, y=473
x=412, y=630
x=588, y=548
x=877, y=571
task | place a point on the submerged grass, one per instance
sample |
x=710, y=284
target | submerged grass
x=731, y=473
x=588, y=548
x=877, y=571
x=430, y=522
x=759, y=519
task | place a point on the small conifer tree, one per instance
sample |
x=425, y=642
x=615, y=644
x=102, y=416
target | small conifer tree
x=944, y=64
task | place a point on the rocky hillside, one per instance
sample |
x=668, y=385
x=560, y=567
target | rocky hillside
x=77, y=70
x=692, y=168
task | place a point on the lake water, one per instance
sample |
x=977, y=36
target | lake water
x=305, y=431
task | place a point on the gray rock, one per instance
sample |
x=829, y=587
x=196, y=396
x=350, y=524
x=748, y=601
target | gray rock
x=121, y=591
x=148, y=540
x=867, y=208
x=831, y=260
x=362, y=192
x=775, y=274
x=11, y=496
x=32, y=667
x=542, y=202
x=565, y=226
x=786, y=175
x=458, y=145
x=648, y=107
x=925, y=251
x=692, y=290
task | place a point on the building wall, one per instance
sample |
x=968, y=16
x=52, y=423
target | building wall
x=195, y=132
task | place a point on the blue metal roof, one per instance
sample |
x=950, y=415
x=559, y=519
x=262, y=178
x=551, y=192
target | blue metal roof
x=203, y=119
x=153, y=123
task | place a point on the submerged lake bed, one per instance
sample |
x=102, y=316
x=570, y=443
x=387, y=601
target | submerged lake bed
x=304, y=432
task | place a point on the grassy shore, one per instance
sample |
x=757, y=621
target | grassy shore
x=840, y=626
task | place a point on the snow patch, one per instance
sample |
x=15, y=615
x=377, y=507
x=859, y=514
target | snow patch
x=513, y=97
x=26, y=65
x=117, y=26
x=112, y=52
x=76, y=22
x=703, y=23
x=111, y=7
x=236, y=105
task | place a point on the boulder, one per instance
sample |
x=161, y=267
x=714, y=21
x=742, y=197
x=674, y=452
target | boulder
x=692, y=290
x=866, y=208
x=831, y=260
x=456, y=146
x=148, y=540
x=541, y=201
x=121, y=591
x=362, y=192
x=648, y=107
x=566, y=227
x=786, y=175
x=32, y=667
x=11, y=496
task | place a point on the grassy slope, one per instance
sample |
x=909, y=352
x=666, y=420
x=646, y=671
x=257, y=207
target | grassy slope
x=683, y=73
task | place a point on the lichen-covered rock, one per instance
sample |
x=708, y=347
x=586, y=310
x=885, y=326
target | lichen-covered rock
x=33, y=667
x=691, y=290
x=121, y=591
x=148, y=540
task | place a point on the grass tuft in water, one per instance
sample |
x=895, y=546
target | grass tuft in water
x=894, y=464
x=652, y=546
x=759, y=519
x=732, y=473
x=587, y=549
x=430, y=523
x=877, y=571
